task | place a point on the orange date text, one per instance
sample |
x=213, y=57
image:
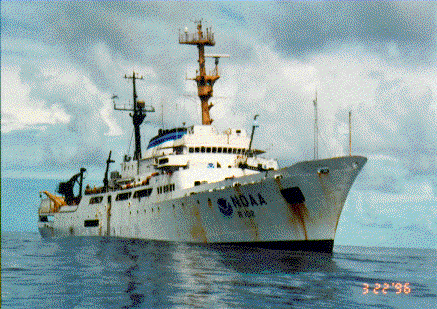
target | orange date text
x=384, y=288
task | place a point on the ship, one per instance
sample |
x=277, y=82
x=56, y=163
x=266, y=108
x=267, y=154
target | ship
x=196, y=185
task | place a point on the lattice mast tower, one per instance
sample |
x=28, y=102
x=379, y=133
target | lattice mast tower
x=205, y=83
x=139, y=110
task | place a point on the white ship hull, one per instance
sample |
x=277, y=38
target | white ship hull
x=264, y=209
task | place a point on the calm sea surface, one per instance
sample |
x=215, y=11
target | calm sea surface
x=117, y=273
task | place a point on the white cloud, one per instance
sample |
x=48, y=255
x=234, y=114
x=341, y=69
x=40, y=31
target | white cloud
x=106, y=113
x=20, y=110
x=260, y=77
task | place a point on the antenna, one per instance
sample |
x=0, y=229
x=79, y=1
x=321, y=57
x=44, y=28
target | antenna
x=105, y=179
x=350, y=133
x=205, y=83
x=255, y=125
x=316, y=130
x=162, y=114
x=139, y=113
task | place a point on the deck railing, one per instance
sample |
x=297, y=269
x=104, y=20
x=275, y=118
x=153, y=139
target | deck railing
x=194, y=38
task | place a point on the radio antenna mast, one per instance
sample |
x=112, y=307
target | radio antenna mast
x=316, y=130
x=139, y=113
x=350, y=133
x=205, y=83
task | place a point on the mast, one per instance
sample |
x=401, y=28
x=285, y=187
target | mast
x=316, y=131
x=255, y=125
x=105, y=179
x=350, y=133
x=205, y=83
x=139, y=113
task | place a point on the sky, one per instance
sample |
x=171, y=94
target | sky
x=61, y=62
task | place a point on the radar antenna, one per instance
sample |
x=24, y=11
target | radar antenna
x=205, y=83
x=139, y=113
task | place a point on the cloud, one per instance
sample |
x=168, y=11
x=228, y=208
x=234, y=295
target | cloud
x=306, y=28
x=401, y=123
x=19, y=111
x=72, y=56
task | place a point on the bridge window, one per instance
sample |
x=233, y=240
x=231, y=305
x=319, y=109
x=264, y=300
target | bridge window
x=166, y=188
x=163, y=161
x=225, y=150
x=208, y=149
x=197, y=149
x=202, y=149
x=143, y=193
x=123, y=196
x=234, y=150
x=191, y=150
x=219, y=150
x=214, y=149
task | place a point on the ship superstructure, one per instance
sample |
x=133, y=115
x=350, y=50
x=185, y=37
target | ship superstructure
x=198, y=185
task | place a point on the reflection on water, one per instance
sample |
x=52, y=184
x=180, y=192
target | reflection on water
x=160, y=274
x=87, y=272
x=273, y=261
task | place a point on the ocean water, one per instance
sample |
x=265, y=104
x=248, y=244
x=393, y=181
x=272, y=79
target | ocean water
x=86, y=272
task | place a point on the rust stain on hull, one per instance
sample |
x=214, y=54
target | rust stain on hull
x=297, y=213
x=176, y=225
x=253, y=227
x=197, y=231
x=330, y=197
